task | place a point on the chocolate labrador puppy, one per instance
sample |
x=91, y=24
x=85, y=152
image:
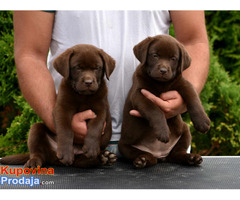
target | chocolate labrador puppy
x=83, y=87
x=152, y=137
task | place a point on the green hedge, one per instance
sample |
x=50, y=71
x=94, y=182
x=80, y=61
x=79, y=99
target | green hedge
x=15, y=114
x=15, y=141
x=220, y=95
x=224, y=28
x=8, y=80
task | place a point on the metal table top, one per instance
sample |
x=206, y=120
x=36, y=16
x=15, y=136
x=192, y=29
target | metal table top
x=213, y=173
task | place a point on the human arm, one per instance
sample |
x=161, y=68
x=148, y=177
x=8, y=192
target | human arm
x=190, y=30
x=32, y=37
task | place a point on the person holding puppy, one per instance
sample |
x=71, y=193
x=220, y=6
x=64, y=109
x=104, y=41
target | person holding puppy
x=116, y=32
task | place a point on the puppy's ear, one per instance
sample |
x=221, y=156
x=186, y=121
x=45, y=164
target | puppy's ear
x=141, y=49
x=62, y=63
x=185, y=59
x=109, y=63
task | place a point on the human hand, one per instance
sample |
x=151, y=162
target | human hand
x=79, y=125
x=171, y=103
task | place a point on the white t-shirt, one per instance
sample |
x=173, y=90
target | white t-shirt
x=116, y=32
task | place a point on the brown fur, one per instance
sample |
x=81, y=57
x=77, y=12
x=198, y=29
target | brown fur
x=162, y=59
x=83, y=87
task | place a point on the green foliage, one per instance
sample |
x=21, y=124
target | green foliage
x=171, y=31
x=16, y=115
x=15, y=141
x=224, y=28
x=6, y=22
x=8, y=78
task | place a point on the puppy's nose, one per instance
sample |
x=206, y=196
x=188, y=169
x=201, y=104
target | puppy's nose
x=163, y=70
x=88, y=82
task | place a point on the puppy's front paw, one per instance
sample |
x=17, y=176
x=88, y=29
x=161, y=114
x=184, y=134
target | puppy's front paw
x=91, y=151
x=163, y=138
x=202, y=124
x=65, y=155
x=108, y=158
x=162, y=134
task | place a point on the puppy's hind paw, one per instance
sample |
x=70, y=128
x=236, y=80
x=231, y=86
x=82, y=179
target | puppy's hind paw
x=33, y=163
x=140, y=162
x=193, y=159
x=144, y=161
x=108, y=158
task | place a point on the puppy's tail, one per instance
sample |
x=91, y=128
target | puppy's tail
x=19, y=159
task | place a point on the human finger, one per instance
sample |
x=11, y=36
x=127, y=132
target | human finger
x=85, y=115
x=173, y=94
x=104, y=126
x=135, y=113
x=156, y=100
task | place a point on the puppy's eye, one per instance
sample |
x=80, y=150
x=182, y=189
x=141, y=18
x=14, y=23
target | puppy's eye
x=155, y=55
x=98, y=68
x=78, y=68
x=173, y=58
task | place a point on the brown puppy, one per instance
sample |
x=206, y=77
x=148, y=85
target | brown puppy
x=83, y=87
x=152, y=137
